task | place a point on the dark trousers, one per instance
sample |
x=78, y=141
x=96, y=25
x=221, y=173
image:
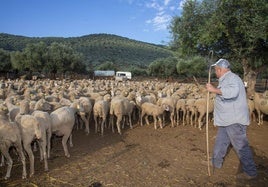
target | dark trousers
x=234, y=134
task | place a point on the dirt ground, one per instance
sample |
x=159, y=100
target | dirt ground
x=142, y=156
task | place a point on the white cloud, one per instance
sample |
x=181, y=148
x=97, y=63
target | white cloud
x=162, y=17
x=160, y=22
x=166, y=2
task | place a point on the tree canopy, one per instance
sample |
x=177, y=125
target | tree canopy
x=236, y=30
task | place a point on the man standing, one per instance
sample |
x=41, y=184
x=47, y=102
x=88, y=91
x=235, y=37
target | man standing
x=231, y=116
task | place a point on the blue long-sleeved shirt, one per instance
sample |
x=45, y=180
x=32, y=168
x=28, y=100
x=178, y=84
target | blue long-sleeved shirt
x=231, y=107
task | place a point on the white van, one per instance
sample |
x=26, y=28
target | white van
x=122, y=75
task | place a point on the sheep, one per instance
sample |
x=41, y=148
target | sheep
x=251, y=107
x=156, y=111
x=201, y=109
x=171, y=102
x=62, y=122
x=10, y=135
x=86, y=114
x=30, y=130
x=261, y=105
x=42, y=105
x=101, y=110
x=44, y=143
x=181, y=109
x=191, y=112
x=13, y=110
x=121, y=106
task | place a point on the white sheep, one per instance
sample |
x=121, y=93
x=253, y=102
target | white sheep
x=156, y=111
x=191, y=112
x=10, y=135
x=13, y=109
x=121, y=106
x=181, y=111
x=171, y=103
x=100, y=112
x=62, y=122
x=44, y=142
x=261, y=105
x=86, y=113
x=201, y=109
x=251, y=107
x=30, y=130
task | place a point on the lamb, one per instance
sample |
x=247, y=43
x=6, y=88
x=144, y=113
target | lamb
x=62, y=122
x=121, y=106
x=261, y=105
x=10, y=136
x=156, y=111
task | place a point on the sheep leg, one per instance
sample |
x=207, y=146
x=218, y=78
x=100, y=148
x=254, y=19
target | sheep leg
x=96, y=124
x=43, y=152
x=118, y=122
x=111, y=122
x=160, y=122
x=71, y=140
x=147, y=119
x=2, y=161
x=183, y=117
x=172, y=118
x=64, y=144
x=130, y=121
x=49, y=134
x=19, y=149
x=6, y=154
x=200, y=124
x=84, y=119
x=27, y=147
x=142, y=114
x=102, y=125
x=155, y=122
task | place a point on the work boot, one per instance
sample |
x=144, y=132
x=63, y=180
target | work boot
x=244, y=176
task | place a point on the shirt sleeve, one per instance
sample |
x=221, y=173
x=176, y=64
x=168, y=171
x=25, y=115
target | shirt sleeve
x=230, y=88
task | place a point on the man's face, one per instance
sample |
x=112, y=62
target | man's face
x=218, y=71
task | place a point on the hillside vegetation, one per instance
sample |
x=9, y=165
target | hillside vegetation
x=98, y=49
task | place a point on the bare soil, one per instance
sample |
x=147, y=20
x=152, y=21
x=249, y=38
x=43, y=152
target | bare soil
x=142, y=156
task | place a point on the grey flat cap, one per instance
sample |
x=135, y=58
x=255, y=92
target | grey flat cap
x=222, y=63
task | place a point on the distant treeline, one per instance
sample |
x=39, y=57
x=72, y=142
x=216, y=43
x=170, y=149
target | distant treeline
x=77, y=55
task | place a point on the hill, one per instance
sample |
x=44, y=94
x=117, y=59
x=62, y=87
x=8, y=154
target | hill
x=98, y=49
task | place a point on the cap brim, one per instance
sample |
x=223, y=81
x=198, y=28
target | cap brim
x=213, y=65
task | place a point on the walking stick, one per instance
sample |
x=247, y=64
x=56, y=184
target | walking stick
x=210, y=56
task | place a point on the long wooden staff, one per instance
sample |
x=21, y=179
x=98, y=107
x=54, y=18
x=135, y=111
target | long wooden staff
x=210, y=56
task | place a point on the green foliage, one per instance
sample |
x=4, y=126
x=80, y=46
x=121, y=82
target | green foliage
x=107, y=66
x=164, y=67
x=56, y=58
x=5, y=62
x=193, y=66
x=237, y=30
x=95, y=50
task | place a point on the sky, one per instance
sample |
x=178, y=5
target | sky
x=142, y=20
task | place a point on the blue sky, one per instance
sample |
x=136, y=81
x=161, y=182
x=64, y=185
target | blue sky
x=143, y=20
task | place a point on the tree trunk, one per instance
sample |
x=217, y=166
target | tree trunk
x=250, y=77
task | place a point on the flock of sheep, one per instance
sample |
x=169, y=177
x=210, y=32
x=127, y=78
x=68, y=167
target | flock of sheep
x=32, y=111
